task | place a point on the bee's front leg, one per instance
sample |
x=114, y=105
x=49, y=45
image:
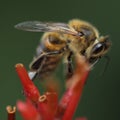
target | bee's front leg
x=69, y=66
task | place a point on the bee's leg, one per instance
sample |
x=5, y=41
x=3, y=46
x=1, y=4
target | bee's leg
x=57, y=51
x=34, y=74
x=69, y=68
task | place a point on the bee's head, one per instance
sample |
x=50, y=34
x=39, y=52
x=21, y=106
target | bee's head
x=98, y=49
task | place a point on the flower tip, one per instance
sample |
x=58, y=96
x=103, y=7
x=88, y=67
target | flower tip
x=11, y=112
x=42, y=98
x=19, y=65
x=11, y=109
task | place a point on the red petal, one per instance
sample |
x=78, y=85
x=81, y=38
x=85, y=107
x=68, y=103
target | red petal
x=43, y=108
x=75, y=86
x=48, y=106
x=74, y=99
x=11, y=112
x=28, y=111
x=52, y=102
x=30, y=90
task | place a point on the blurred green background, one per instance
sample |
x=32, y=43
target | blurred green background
x=101, y=96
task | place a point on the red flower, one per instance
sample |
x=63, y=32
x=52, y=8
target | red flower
x=47, y=106
x=11, y=112
x=29, y=89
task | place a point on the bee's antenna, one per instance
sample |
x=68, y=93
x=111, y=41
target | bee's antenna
x=107, y=63
x=105, y=67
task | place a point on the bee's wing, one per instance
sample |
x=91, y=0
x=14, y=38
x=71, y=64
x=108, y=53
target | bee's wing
x=37, y=26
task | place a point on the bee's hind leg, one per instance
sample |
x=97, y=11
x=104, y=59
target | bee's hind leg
x=39, y=62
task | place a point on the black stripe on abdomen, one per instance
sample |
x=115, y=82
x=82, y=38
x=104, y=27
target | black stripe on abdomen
x=49, y=66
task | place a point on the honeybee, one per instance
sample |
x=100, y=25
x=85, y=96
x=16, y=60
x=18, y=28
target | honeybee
x=62, y=40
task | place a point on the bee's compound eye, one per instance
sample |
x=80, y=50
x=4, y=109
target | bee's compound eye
x=99, y=47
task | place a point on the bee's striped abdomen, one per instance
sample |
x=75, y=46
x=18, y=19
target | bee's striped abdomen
x=49, y=65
